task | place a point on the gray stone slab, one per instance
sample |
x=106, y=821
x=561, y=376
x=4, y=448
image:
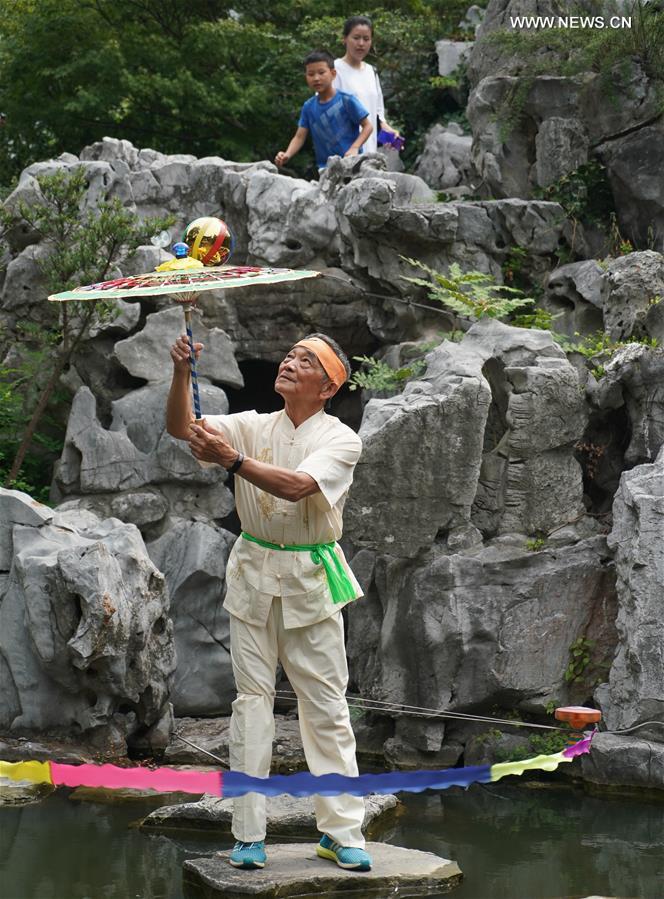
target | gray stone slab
x=14, y=792
x=212, y=734
x=294, y=869
x=286, y=816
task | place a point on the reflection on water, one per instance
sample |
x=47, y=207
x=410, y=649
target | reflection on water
x=512, y=842
x=64, y=849
x=541, y=841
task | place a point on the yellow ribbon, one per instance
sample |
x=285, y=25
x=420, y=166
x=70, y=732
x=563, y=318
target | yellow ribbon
x=33, y=772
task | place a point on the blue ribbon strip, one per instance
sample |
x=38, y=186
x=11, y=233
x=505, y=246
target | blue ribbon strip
x=235, y=783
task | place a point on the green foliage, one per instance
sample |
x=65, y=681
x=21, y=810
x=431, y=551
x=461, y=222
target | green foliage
x=599, y=348
x=586, y=667
x=471, y=295
x=377, y=375
x=547, y=745
x=535, y=544
x=208, y=77
x=540, y=320
x=81, y=247
x=536, y=745
x=584, y=194
x=569, y=52
x=580, y=654
x=573, y=51
x=514, y=264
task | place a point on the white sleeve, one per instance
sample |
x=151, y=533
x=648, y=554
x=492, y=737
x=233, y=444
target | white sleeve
x=338, y=82
x=235, y=427
x=332, y=468
x=380, y=103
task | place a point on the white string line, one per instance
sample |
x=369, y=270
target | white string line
x=377, y=705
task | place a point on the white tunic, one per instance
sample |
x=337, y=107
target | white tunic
x=365, y=84
x=327, y=450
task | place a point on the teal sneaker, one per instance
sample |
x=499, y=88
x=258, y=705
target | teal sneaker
x=248, y=855
x=349, y=857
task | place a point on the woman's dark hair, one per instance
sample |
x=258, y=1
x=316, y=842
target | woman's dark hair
x=319, y=56
x=354, y=21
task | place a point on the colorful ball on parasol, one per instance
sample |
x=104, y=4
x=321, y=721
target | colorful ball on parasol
x=209, y=240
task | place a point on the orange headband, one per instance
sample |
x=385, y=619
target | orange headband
x=332, y=364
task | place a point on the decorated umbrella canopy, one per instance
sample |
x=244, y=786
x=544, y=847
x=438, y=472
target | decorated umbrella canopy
x=201, y=263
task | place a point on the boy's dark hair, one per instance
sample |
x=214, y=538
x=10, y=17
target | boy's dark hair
x=354, y=21
x=334, y=346
x=319, y=56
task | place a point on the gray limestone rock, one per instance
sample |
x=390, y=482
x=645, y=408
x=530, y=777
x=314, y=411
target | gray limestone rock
x=451, y=54
x=286, y=816
x=634, y=296
x=507, y=463
x=15, y=793
x=400, y=501
x=192, y=556
x=122, y=320
x=272, y=198
x=561, y=146
x=295, y=870
x=264, y=322
x=147, y=353
x=212, y=734
x=17, y=507
x=110, y=149
x=634, y=164
x=136, y=451
x=634, y=378
x=445, y=159
x=143, y=260
x=94, y=460
x=633, y=762
x=144, y=508
x=487, y=626
x=473, y=18
x=85, y=637
x=24, y=291
x=635, y=690
x=490, y=59
x=575, y=297
x=559, y=119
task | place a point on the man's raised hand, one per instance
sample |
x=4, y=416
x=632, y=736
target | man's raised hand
x=180, y=353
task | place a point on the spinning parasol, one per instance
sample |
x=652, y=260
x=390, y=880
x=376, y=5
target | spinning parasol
x=200, y=264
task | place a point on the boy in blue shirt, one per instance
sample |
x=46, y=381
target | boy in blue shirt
x=338, y=122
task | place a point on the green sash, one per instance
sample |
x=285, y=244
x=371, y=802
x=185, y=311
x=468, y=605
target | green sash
x=341, y=586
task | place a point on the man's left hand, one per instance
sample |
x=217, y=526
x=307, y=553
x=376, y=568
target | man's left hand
x=207, y=444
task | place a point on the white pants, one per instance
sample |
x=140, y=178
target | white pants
x=314, y=660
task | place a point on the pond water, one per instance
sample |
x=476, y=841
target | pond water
x=512, y=842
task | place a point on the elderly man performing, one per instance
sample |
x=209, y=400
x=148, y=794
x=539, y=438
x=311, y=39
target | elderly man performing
x=286, y=581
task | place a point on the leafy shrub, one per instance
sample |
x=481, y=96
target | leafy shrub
x=471, y=295
x=82, y=247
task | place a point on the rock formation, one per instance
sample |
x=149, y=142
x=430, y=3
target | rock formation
x=479, y=520
x=86, y=641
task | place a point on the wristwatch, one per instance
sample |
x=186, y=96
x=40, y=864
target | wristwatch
x=234, y=467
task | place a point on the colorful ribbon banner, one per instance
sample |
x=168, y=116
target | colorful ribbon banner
x=230, y=784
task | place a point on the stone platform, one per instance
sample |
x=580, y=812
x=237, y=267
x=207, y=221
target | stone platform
x=294, y=870
x=287, y=816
